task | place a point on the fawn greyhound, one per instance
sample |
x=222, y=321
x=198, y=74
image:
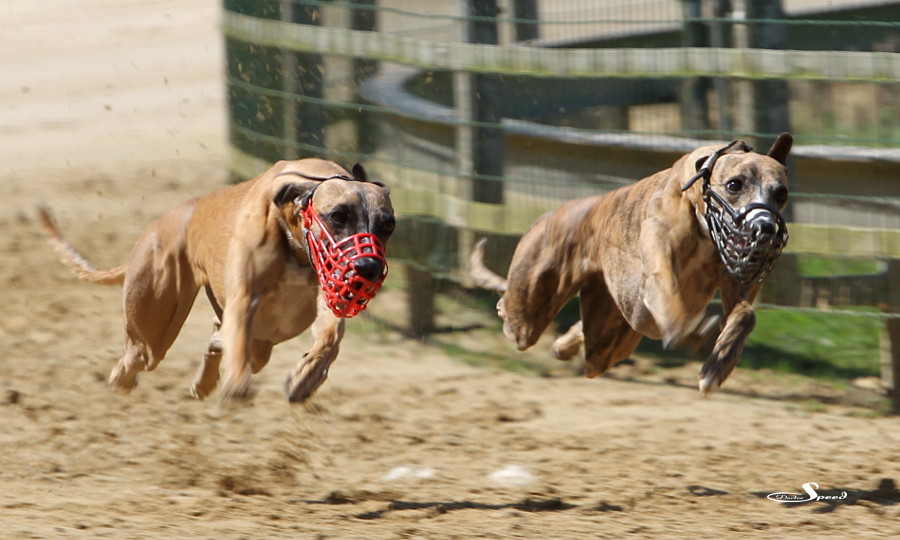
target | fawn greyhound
x=263, y=250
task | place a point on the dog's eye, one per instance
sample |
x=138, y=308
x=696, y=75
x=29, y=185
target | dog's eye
x=780, y=194
x=735, y=185
x=338, y=217
x=388, y=225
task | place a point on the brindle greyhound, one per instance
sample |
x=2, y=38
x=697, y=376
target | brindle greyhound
x=646, y=259
x=241, y=244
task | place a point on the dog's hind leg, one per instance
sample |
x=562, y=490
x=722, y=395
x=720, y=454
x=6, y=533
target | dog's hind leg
x=159, y=291
x=135, y=360
x=608, y=338
x=535, y=295
x=147, y=341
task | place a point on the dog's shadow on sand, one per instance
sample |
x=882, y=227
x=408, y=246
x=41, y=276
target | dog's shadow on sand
x=444, y=507
x=884, y=494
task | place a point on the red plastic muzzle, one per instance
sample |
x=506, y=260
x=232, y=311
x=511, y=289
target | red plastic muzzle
x=339, y=268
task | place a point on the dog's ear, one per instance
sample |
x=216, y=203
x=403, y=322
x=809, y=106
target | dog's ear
x=699, y=164
x=781, y=148
x=291, y=192
x=359, y=173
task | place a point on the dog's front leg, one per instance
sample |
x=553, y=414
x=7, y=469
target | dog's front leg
x=236, y=335
x=661, y=294
x=249, y=268
x=739, y=322
x=312, y=370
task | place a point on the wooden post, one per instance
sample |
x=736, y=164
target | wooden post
x=890, y=359
x=421, y=287
x=462, y=95
x=488, y=148
x=480, y=146
x=771, y=96
x=364, y=18
x=304, y=122
x=694, y=103
x=526, y=14
x=719, y=36
x=762, y=106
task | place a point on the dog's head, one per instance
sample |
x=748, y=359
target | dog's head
x=740, y=199
x=346, y=222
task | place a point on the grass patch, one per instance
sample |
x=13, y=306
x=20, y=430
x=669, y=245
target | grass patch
x=822, y=345
x=835, y=348
x=822, y=266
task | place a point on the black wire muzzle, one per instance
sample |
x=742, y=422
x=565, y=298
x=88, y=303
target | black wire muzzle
x=748, y=252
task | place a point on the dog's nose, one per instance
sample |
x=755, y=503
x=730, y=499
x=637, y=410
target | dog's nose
x=369, y=268
x=764, y=225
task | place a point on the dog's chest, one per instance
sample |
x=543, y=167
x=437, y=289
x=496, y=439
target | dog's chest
x=289, y=308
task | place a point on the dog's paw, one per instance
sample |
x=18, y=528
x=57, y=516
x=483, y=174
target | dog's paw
x=204, y=383
x=199, y=391
x=567, y=345
x=303, y=381
x=684, y=331
x=713, y=373
x=707, y=384
x=122, y=379
x=700, y=338
x=563, y=350
x=237, y=389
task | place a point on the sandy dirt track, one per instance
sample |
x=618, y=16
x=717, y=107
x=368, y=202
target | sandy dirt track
x=111, y=112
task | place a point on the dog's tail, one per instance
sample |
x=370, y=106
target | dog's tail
x=483, y=277
x=71, y=258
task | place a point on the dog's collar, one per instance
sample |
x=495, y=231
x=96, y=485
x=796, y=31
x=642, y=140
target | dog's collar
x=304, y=202
x=705, y=170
